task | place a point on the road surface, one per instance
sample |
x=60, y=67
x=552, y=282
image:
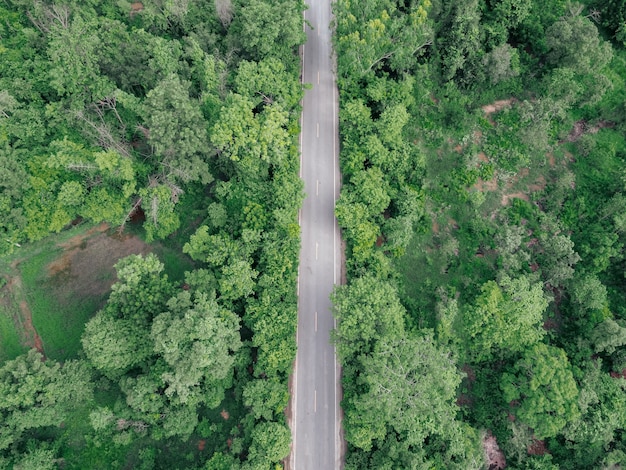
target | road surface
x=316, y=418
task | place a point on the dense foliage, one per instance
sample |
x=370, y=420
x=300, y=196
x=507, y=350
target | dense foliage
x=180, y=114
x=483, y=146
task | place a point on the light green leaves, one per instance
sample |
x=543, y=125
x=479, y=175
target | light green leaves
x=543, y=384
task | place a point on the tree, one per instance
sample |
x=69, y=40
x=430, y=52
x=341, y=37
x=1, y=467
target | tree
x=197, y=340
x=224, y=11
x=268, y=82
x=501, y=63
x=158, y=202
x=509, y=244
x=505, y=318
x=40, y=458
x=142, y=290
x=374, y=33
x=251, y=142
x=367, y=310
x=458, y=36
x=574, y=42
x=543, y=385
x=266, y=398
x=264, y=28
x=237, y=280
x=177, y=131
x=271, y=442
x=409, y=386
x=35, y=393
x=608, y=336
x=74, y=71
x=114, y=346
x=602, y=404
x=557, y=259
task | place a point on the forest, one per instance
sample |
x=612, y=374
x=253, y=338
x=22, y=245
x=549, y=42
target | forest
x=483, y=157
x=483, y=205
x=171, y=124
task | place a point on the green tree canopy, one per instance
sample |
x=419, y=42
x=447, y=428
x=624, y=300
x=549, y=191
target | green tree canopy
x=35, y=393
x=409, y=386
x=505, y=318
x=197, y=339
x=541, y=389
x=367, y=310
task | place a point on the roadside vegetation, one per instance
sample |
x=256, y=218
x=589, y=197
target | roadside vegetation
x=483, y=146
x=149, y=237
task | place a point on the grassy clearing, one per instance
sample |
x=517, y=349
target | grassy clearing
x=61, y=281
x=11, y=345
x=58, y=311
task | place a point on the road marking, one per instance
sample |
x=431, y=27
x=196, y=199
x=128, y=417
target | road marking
x=316, y=247
x=317, y=188
x=316, y=322
x=318, y=130
x=315, y=401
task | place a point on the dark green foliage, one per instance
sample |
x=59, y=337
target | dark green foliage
x=182, y=116
x=543, y=389
x=510, y=154
x=38, y=394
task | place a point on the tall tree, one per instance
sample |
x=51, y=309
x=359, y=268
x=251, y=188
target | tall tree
x=197, y=340
x=541, y=390
x=367, y=310
x=409, y=386
x=35, y=393
x=506, y=318
x=177, y=131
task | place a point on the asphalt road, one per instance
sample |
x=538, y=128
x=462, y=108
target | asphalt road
x=316, y=416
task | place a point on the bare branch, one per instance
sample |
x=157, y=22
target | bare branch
x=224, y=10
x=103, y=134
x=129, y=215
x=154, y=206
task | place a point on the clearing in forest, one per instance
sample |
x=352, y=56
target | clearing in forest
x=53, y=287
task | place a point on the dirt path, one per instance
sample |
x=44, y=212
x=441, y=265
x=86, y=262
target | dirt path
x=23, y=319
x=32, y=338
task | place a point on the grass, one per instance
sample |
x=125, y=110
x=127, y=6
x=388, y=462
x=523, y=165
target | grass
x=10, y=341
x=59, y=314
x=61, y=300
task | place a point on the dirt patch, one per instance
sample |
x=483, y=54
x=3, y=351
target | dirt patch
x=486, y=185
x=23, y=319
x=478, y=136
x=538, y=185
x=224, y=414
x=78, y=240
x=537, y=447
x=86, y=265
x=497, y=106
x=435, y=227
x=582, y=127
x=506, y=198
x=31, y=337
x=494, y=456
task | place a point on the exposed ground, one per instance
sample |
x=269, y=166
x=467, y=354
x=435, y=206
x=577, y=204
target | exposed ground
x=494, y=456
x=87, y=261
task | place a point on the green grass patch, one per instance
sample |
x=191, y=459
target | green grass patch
x=58, y=312
x=10, y=342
